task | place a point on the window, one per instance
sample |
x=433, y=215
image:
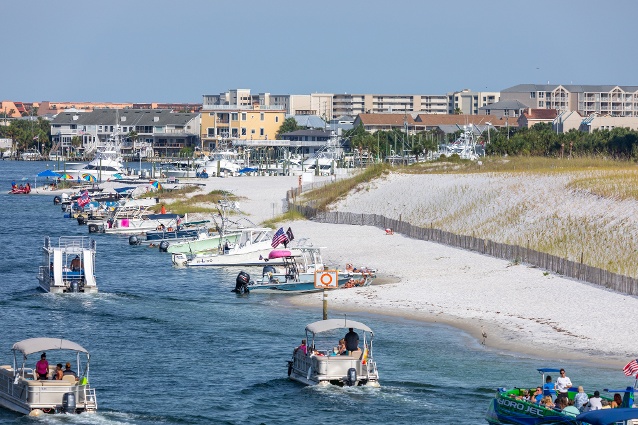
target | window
x=243, y=116
x=261, y=116
x=276, y=119
x=541, y=104
x=532, y=95
x=252, y=131
x=261, y=131
x=541, y=94
x=210, y=132
x=234, y=116
x=243, y=131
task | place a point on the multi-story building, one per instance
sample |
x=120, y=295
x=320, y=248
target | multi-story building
x=330, y=106
x=159, y=132
x=468, y=102
x=586, y=99
x=226, y=123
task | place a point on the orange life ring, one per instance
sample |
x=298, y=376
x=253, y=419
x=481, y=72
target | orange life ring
x=170, y=229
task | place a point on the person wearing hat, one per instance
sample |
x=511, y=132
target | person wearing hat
x=42, y=367
x=69, y=371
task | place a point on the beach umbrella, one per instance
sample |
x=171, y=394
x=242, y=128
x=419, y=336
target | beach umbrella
x=89, y=177
x=49, y=173
x=155, y=184
x=66, y=176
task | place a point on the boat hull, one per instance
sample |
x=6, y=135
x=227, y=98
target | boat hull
x=208, y=244
x=332, y=370
x=507, y=410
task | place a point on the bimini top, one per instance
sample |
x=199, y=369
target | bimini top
x=330, y=324
x=608, y=416
x=33, y=345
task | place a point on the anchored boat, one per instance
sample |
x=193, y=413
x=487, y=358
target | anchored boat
x=69, y=266
x=318, y=363
x=22, y=391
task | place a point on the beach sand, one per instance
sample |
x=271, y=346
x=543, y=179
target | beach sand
x=521, y=308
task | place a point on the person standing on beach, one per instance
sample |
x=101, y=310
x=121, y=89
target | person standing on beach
x=563, y=384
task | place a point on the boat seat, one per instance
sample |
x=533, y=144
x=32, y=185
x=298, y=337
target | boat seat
x=68, y=378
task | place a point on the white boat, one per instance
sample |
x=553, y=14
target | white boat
x=107, y=163
x=22, y=392
x=222, y=162
x=136, y=222
x=297, y=273
x=69, y=266
x=248, y=248
x=318, y=363
x=31, y=154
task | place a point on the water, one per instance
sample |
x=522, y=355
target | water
x=175, y=346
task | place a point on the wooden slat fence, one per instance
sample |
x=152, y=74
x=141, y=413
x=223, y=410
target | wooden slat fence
x=514, y=253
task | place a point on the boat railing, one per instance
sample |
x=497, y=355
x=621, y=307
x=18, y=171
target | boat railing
x=76, y=242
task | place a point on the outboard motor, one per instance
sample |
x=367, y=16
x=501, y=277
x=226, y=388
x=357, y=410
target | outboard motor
x=81, y=220
x=68, y=402
x=134, y=240
x=75, y=287
x=241, y=283
x=351, y=377
x=93, y=228
x=163, y=246
x=57, y=200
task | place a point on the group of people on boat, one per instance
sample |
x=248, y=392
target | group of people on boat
x=554, y=395
x=42, y=370
x=26, y=188
x=346, y=346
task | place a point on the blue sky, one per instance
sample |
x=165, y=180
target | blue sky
x=176, y=51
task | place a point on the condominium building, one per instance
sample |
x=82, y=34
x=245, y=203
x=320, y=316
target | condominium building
x=225, y=122
x=330, y=106
x=585, y=99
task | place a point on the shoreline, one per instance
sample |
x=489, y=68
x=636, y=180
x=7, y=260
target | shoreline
x=522, y=309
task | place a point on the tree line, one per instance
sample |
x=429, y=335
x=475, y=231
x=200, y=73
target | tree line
x=26, y=134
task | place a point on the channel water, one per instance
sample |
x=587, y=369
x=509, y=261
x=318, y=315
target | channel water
x=176, y=346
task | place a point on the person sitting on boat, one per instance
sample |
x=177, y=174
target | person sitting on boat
x=595, y=402
x=538, y=395
x=42, y=367
x=76, y=264
x=341, y=348
x=547, y=402
x=58, y=372
x=302, y=347
x=13, y=184
x=580, y=399
x=617, y=401
x=69, y=371
x=352, y=340
x=567, y=406
x=161, y=226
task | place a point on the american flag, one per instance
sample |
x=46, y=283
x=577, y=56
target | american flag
x=84, y=199
x=631, y=368
x=279, y=237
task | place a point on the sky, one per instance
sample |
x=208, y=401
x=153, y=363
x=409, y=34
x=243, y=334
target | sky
x=177, y=51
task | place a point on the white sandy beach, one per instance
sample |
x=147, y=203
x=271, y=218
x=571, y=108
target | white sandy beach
x=522, y=309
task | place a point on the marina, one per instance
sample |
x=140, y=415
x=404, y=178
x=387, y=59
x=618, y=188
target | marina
x=149, y=312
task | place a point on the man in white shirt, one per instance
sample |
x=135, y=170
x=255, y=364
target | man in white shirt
x=563, y=384
x=595, y=402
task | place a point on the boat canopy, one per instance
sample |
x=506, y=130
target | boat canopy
x=608, y=416
x=330, y=324
x=33, y=345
